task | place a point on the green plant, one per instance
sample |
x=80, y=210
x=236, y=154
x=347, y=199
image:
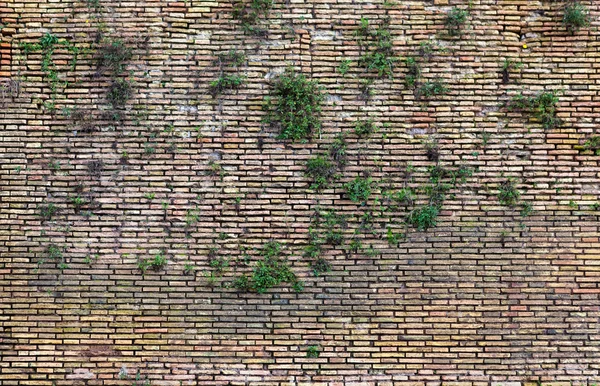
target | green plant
x=150, y=196
x=119, y=92
x=338, y=150
x=231, y=58
x=215, y=170
x=527, y=209
x=542, y=106
x=573, y=204
x=157, y=263
x=219, y=264
x=413, y=72
x=576, y=16
x=296, y=106
x=507, y=192
x=359, y=189
x=112, y=56
x=431, y=88
x=225, y=82
x=47, y=211
x=268, y=272
x=191, y=217
x=507, y=66
x=376, y=44
x=365, y=128
x=455, y=20
x=78, y=202
x=424, y=217
x=313, y=351
x=596, y=206
x=320, y=266
x=54, y=165
x=321, y=172
x=344, y=66
x=248, y=12
x=593, y=144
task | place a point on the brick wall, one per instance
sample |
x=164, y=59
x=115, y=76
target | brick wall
x=487, y=295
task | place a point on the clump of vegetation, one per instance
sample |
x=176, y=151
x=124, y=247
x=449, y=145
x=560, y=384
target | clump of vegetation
x=455, y=20
x=365, y=87
x=431, y=88
x=112, y=56
x=249, y=13
x=320, y=266
x=526, y=209
x=47, y=45
x=228, y=61
x=157, y=263
x=592, y=144
x=338, y=150
x=295, y=106
x=365, y=128
x=189, y=269
x=313, y=351
x=344, y=66
x=542, y=106
x=376, y=44
x=78, y=202
x=269, y=272
x=424, y=217
x=359, y=189
x=508, y=194
x=321, y=171
x=576, y=17
x=225, y=82
x=215, y=170
x=507, y=66
x=413, y=73
x=47, y=211
x=119, y=93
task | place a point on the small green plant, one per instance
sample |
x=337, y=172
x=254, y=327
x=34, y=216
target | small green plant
x=596, y=206
x=526, y=209
x=313, y=351
x=507, y=66
x=47, y=211
x=338, y=150
x=431, y=88
x=78, y=202
x=112, y=56
x=359, y=189
x=225, y=82
x=376, y=44
x=189, y=269
x=542, y=106
x=55, y=253
x=150, y=196
x=54, y=165
x=424, y=217
x=249, y=13
x=455, y=20
x=268, y=272
x=157, y=263
x=364, y=128
x=573, y=205
x=219, y=264
x=344, y=66
x=320, y=266
x=215, y=170
x=592, y=144
x=576, y=17
x=321, y=172
x=413, y=73
x=295, y=106
x=507, y=192
x=119, y=92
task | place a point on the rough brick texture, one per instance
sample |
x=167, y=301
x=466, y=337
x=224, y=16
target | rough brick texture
x=486, y=295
